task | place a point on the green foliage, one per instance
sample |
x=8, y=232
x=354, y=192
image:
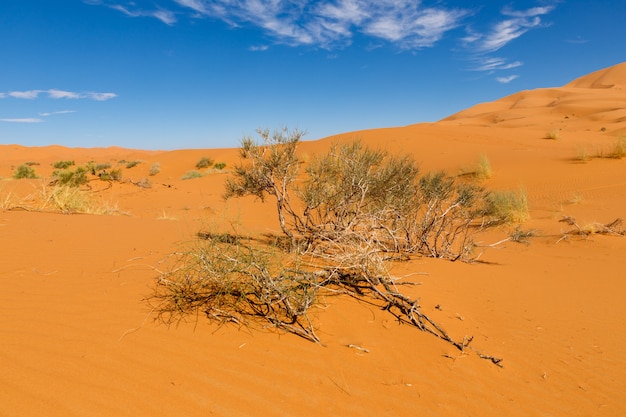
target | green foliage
x=113, y=175
x=24, y=171
x=132, y=164
x=71, y=178
x=63, y=164
x=204, y=163
x=219, y=165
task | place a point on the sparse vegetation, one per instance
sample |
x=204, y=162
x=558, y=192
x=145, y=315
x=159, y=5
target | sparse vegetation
x=219, y=166
x=132, y=164
x=155, y=169
x=204, y=163
x=71, y=178
x=63, y=164
x=481, y=171
x=354, y=211
x=509, y=206
x=24, y=171
x=553, y=134
x=189, y=175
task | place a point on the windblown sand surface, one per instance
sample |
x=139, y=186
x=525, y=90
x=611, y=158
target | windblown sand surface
x=77, y=339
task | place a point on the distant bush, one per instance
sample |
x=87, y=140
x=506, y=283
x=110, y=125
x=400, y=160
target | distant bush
x=31, y=163
x=219, y=165
x=553, y=134
x=192, y=174
x=132, y=164
x=71, y=178
x=24, y=171
x=113, y=175
x=63, y=164
x=155, y=169
x=204, y=163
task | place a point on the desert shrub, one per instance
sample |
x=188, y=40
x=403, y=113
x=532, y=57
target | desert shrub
x=619, y=149
x=63, y=164
x=219, y=165
x=72, y=178
x=32, y=163
x=112, y=175
x=102, y=167
x=508, y=206
x=553, y=134
x=155, y=169
x=132, y=164
x=204, y=163
x=24, y=171
x=189, y=175
x=354, y=211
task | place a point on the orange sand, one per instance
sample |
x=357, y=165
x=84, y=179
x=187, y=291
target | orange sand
x=77, y=340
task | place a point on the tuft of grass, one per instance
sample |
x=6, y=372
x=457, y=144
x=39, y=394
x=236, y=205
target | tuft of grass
x=553, y=134
x=483, y=169
x=220, y=165
x=509, y=206
x=155, y=169
x=619, y=149
x=522, y=236
x=204, y=163
x=132, y=164
x=24, y=171
x=192, y=174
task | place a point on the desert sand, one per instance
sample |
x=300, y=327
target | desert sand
x=78, y=339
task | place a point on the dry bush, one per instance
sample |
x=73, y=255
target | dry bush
x=354, y=210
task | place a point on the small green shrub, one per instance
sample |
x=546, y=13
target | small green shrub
x=132, y=164
x=63, y=164
x=31, y=163
x=204, y=163
x=24, y=171
x=192, y=174
x=101, y=167
x=71, y=178
x=219, y=165
x=113, y=175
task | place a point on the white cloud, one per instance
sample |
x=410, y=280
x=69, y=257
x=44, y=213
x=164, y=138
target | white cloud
x=259, y=48
x=506, y=80
x=327, y=23
x=23, y=120
x=57, y=112
x=59, y=94
x=28, y=95
x=510, y=29
x=166, y=16
x=62, y=94
x=496, y=64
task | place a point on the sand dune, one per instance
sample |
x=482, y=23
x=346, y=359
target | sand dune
x=77, y=339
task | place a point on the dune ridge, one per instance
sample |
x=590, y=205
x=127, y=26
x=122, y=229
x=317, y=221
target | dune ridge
x=78, y=339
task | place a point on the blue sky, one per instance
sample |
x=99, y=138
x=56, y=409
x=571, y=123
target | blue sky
x=170, y=74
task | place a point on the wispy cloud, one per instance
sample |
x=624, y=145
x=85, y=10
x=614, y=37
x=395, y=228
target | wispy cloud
x=328, y=23
x=54, y=113
x=59, y=94
x=165, y=16
x=506, y=80
x=512, y=25
x=516, y=24
x=495, y=64
x=22, y=120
